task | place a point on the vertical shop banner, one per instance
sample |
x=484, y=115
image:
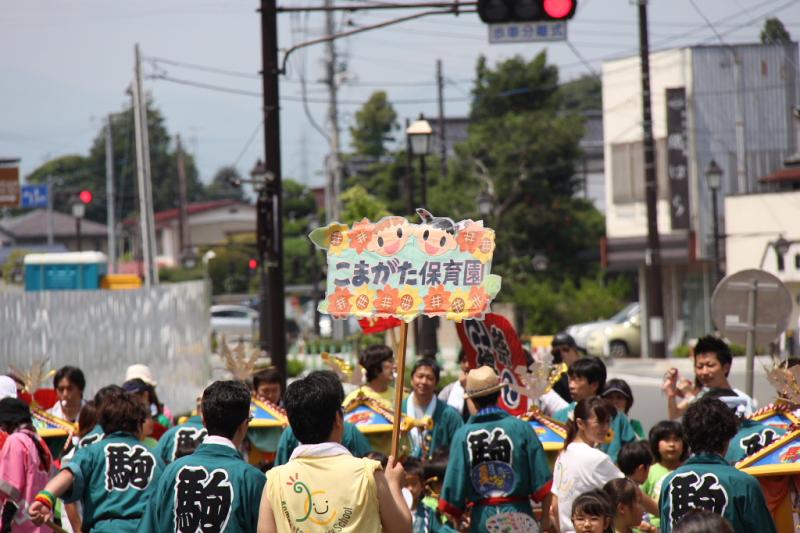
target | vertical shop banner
x=677, y=158
x=9, y=186
x=494, y=341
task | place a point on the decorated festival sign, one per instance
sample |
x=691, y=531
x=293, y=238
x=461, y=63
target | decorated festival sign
x=494, y=342
x=778, y=414
x=266, y=415
x=393, y=268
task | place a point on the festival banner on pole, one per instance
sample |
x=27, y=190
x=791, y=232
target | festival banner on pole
x=494, y=342
x=393, y=268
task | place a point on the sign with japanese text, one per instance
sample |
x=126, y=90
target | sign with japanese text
x=528, y=32
x=393, y=268
x=494, y=342
x=33, y=196
x=677, y=160
x=9, y=186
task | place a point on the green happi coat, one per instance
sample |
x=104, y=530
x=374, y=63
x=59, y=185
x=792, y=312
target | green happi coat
x=620, y=426
x=494, y=456
x=113, y=479
x=708, y=481
x=168, y=443
x=352, y=439
x=446, y=421
x=213, y=489
x=751, y=437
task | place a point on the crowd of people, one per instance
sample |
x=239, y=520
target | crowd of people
x=471, y=466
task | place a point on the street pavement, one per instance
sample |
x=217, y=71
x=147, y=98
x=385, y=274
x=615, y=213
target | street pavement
x=645, y=377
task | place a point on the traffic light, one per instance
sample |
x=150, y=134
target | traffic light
x=252, y=264
x=85, y=196
x=498, y=11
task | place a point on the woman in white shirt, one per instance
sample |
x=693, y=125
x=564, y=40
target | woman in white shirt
x=581, y=467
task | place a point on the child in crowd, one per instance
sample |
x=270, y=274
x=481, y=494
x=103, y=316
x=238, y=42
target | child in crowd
x=581, y=467
x=702, y=521
x=634, y=460
x=25, y=463
x=426, y=520
x=626, y=504
x=592, y=513
x=618, y=392
x=87, y=419
x=113, y=479
x=669, y=448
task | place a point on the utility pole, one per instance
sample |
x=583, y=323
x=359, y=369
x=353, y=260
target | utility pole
x=334, y=159
x=272, y=323
x=183, y=218
x=655, y=304
x=112, y=230
x=409, y=178
x=440, y=97
x=143, y=173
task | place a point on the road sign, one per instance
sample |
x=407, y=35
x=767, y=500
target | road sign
x=751, y=307
x=528, y=32
x=9, y=186
x=33, y=196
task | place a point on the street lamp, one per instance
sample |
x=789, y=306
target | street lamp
x=419, y=134
x=714, y=179
x=484, y=203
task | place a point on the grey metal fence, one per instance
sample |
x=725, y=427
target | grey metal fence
x=102, y=332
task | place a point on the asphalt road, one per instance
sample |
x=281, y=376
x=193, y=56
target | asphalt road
x=645, y=376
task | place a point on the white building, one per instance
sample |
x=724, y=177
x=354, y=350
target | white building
x=736, y=108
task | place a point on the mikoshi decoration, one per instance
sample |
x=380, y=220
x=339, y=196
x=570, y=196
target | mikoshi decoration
x=376, y=422
x=344, y=370
x=264, y=430
x=778, y=414
x=393, y=268
x=777, y=467
x=238, y=361
x=550, y=432
x=33, y=393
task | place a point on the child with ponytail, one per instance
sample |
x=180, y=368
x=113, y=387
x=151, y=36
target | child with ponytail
x=581, y=467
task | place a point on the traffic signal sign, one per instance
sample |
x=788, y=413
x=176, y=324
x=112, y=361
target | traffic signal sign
x=498, y=11
x=85, y=196
x=252, y=264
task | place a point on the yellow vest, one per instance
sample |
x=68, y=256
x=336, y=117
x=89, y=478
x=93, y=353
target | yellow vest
x=386, y=396
x=325, y=494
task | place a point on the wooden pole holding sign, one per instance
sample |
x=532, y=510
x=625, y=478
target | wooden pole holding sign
x=398, y=390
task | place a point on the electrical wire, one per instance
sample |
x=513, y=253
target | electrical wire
x=248, y=143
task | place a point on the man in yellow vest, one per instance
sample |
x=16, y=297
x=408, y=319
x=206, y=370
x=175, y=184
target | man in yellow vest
x=323, y=487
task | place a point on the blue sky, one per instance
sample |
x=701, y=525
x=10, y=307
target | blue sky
x=66, y=64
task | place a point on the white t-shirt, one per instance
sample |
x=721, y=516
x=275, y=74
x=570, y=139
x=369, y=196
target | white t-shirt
x=578, y=469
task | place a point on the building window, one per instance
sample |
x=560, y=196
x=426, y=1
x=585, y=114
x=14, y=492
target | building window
x=627, y=171
x=797, y=261
x=781, y=263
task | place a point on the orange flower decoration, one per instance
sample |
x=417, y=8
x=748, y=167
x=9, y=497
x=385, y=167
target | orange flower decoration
x=339, y=304
x=437, y=300
x=387, y=300
x=478, y=300
x=469, y=238
x=361, y=235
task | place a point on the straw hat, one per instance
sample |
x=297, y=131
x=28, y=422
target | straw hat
x=482, y=382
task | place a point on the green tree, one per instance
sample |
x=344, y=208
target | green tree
x=774, y=32
x=222, y=185
x=357, y=203
x=375, y=121
x=90, y=172
x=582, y=94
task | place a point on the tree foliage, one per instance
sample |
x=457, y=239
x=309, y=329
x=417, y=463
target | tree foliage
x=79, y=172
x=222, y=185
x=774, y=32
x=357, y=203
x=374, y=122
x=582, y=94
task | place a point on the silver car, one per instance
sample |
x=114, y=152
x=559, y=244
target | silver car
x=234, y=321
x=582, y=332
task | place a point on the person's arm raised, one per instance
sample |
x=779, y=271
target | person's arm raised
x=395, y=514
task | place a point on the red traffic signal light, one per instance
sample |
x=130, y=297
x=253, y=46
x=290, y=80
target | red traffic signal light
x=85, y=196
x=253, y=264
x=499, y=11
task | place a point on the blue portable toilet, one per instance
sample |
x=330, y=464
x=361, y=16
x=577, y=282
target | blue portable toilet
x=65, y=271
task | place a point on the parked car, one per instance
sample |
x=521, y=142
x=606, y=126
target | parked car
x=234, y=321
x=582, y=332
x=620, y=339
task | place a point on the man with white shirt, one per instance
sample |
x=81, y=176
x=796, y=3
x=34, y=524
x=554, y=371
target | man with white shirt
x=69, y=384
x=453, y=394
x=213, y=489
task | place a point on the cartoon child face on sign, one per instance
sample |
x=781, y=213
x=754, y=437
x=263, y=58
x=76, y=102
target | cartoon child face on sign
x=391, y=234
x=436, y=235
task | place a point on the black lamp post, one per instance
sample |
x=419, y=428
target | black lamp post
x=714, y=179
x=419, y=135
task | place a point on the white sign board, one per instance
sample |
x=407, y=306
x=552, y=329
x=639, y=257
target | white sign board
x=528, y=32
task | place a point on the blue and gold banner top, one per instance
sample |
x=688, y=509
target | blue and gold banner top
x=393, y=268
